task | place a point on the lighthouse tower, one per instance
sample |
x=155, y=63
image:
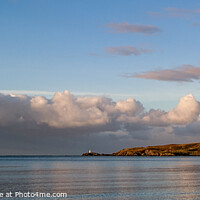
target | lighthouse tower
x=90, y=151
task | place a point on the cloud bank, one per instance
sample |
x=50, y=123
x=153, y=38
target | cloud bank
x=127, y=50
x=70, y=124
x=185, y=73
x=67, y=111
x=125, y=27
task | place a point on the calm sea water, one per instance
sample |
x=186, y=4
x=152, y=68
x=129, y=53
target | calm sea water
x=112, y=178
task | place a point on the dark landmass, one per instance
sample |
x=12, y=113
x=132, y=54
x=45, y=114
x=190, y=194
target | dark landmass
x=95, y=154
x=192, y=149
x=37, y=156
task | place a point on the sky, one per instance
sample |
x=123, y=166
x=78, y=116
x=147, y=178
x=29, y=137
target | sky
x=100, y=75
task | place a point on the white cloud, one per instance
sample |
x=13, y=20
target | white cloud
x=37, y=125
x=187, y=111
x=67, y=111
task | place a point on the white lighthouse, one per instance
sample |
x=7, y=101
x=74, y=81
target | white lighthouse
x=90, y=151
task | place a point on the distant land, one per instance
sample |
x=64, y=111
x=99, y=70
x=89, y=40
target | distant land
x=192, y=149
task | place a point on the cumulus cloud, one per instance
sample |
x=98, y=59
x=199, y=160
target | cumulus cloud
x=191, y=130
x=68, y=122
x=187, y=111
x=13, y=109
x=127, y=50
x=185, y=73
x=176, y=12
x=65, y=111
x=125, y=27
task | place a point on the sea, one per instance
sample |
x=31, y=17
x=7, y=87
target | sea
x=98, y=178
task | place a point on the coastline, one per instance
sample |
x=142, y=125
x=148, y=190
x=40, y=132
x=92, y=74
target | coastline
x=191, y=149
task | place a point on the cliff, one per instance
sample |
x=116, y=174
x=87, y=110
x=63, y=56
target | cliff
x=192, y=149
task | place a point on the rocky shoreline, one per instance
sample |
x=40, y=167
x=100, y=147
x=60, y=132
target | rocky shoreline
x=192, y=149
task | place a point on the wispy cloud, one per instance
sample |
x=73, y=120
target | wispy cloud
x=125, y=27
x=185, y=73
x=127, y=50
x=176, y=12
x=195, y=24
x=92, y=54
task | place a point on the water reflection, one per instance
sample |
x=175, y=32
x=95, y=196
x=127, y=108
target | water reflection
x=104, y=177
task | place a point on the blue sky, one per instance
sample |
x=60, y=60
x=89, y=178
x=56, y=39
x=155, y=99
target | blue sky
x=57, y=45
x=133, y=66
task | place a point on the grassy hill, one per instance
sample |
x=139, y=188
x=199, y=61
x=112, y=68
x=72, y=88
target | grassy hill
x=192, y=149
